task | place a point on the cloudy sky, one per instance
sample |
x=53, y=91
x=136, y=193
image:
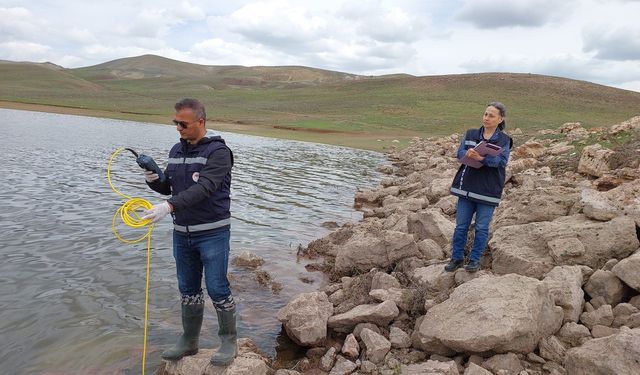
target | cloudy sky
x=592, y=40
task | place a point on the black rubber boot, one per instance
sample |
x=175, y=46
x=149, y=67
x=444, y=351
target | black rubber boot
x=188, y=342
x=228, y=338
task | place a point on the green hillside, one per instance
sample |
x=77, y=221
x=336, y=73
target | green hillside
x=313, y=104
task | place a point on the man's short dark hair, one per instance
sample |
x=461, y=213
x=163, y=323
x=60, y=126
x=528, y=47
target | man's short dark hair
x=195, y=105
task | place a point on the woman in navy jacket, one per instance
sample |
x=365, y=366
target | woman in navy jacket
x=479, y=189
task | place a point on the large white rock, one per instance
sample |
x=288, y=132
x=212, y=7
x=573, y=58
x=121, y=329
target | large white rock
x=305, y=318
x=509, y=313
x=366, y=250
x=534, y=249
x=565, y=285
x=628, y=270
x=381, y=314
x=616, y=354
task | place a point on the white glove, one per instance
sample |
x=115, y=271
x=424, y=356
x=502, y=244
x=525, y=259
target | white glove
x=150, y=176
x=157, y=212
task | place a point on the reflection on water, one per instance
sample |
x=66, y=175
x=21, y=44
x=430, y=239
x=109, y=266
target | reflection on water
x=72, y=296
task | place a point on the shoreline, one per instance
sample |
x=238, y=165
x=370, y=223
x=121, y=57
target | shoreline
x=381, y=141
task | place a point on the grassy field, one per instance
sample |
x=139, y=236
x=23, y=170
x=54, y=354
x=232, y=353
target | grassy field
x=311, y=104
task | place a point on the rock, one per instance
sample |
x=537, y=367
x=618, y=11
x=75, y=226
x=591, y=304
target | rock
x=327, y=360
x=474, y=369
x=360, y=326
x=552, y=349
x=247, y=362
x=474, y=319
x=365, y=251
x=431, y=223
x=381, y=314
x=430, y=368
x=565, y=285
x=602, y=316
x=529, y=150
x=248, y=260
x=382, y=280
x=507, y=363
x=605, y=284
x=447, y=204
x=430, y=249
x=350, y=348
x=287, y=372
x=338, y=297
x=405, y=299
x=541, y=204
x=399, y=339
x=627, y=271
x=599, y=331
x=532, y=357
x=574, y=334
x=635, y=301
x=631, y=124
x=534, y=249
x=621, y=200
x=622, y=353
x=595, y=160
x=377, y=346
x=305, y=318
x=461, y=276
x=434, y=279
x=343, y=366
x=368, y=367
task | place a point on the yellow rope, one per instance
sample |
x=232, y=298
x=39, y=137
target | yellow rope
x=129, y=215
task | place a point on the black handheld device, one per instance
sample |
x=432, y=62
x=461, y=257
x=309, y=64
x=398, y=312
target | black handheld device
x=147, y=162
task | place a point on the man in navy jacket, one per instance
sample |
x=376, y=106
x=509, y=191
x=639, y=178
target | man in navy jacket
x=199, y=182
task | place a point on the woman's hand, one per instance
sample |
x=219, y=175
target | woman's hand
x=473, y=154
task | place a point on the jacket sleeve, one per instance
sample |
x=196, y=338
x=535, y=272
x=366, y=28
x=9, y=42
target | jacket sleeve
x=462, y=149
x=211, y=179
x=162, y=188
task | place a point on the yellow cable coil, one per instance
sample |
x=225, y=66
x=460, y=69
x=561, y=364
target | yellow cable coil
x=128, y=214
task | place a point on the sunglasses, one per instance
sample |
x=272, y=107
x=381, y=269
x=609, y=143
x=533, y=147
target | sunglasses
x=183, y=124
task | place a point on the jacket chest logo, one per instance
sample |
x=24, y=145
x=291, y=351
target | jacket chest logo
x=195, y=176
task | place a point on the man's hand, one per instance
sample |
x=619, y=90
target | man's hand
x=157, y=212
x=150, y=176
x=473, y=154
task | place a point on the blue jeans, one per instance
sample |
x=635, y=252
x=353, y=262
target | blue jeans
x=465, y=210
x=197, y=253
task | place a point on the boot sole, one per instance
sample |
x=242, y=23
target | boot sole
x=186, y=354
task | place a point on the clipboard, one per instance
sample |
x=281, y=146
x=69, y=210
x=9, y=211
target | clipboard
x=483, y=148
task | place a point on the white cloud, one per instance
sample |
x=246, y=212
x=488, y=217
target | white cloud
x=188, y=12
x=24, y=51
x=18, y=23
x=491, y=14
x=620, y=43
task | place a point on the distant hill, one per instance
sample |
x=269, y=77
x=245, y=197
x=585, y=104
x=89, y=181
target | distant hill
x=313, y=104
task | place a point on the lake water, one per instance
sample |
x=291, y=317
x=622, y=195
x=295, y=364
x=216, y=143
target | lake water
x=72, y=296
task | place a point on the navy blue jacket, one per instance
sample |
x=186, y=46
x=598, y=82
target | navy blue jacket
x=484, y=184
x=199, y=180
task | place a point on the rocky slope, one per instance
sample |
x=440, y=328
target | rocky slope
x=559, y=288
